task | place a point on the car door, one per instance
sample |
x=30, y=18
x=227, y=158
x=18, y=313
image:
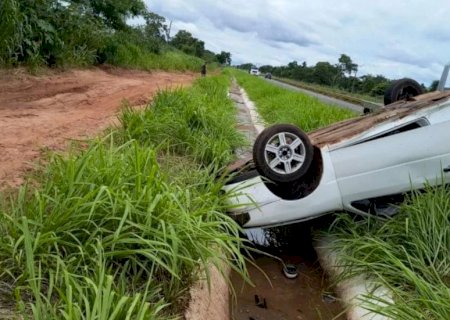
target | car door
x=394, y=162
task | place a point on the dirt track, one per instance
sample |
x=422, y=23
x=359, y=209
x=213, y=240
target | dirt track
x=47, y=111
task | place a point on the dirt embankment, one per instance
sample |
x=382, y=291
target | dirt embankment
x=48, y=111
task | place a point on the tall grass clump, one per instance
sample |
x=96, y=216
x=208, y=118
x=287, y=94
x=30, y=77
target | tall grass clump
x=278, y=105
x=132, y=56
x=125, y=50
x=120, y=228
x=198, y=121
x=409, y=254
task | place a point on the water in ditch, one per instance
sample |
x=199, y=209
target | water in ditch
x=309, y=296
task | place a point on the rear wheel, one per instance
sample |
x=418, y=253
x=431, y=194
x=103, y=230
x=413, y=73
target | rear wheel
x=401, y=90
x=282, y=153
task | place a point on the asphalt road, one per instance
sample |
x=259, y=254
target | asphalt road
x=319, y=96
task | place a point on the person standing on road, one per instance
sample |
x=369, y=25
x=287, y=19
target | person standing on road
x=203, y=70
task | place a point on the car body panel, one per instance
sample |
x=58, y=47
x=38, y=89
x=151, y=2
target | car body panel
x=249, y=194
x=393, y=151
x=392, y=164
x=269, y=209
x=254, y=71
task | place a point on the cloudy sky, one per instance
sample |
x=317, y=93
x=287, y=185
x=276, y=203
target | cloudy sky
x=396, y=38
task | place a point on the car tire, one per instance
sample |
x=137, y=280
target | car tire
x=402, y=89
x=282, y=153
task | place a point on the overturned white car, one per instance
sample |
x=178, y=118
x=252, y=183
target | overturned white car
x=362, y=165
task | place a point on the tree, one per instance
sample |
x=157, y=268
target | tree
x=153, y=34
x=292, y=65
x=346, y=64
x=113, y=12
x=224, y=57
x=434, y=85
x=155, y=25
x=83, y=32
x=209, y=56
x=245, y=66
x=266, y=68
x=45, y=31
x=324, y=73
x=370, y=82
x=185, y=42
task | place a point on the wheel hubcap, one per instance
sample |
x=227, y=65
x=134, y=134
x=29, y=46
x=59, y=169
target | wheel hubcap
x=285, y=153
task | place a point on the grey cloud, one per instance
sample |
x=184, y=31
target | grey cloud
x=263, y=24
x=440, y=35
x=402, y=55
x=266, y=29
x=185, y=15
x=279, y=33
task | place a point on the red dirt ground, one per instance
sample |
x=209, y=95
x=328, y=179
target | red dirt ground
x=47, y=111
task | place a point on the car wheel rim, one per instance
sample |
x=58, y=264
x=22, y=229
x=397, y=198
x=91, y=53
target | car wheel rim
x=284, y=153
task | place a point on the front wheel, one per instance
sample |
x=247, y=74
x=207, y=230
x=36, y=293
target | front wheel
x=282, y=153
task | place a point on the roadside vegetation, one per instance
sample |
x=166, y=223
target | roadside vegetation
x=278, y=105
x=408, y=254
x=337, y=93
x=77, y=33
x=120, y=227
x=334, y=77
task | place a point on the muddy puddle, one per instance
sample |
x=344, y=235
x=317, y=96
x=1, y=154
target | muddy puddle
x=275, y=297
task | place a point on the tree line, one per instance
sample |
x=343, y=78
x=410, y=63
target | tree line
x=84, y=32
x=185, y=42
x=341, y=75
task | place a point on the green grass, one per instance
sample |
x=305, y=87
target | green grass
x=409, y=254
x=132, y=56
x=335, y=92
x=190, y=122
x=120, y=228
x=278, y=105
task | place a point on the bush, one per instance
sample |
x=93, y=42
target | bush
x=379, y=89
x=53, y=33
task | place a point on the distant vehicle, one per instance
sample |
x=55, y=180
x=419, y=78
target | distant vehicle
x=364, y=165
x=268, y=75
x=254, y=71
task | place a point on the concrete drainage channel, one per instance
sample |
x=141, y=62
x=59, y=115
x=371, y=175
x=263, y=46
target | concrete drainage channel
x=307, y=296
x=351, y=290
